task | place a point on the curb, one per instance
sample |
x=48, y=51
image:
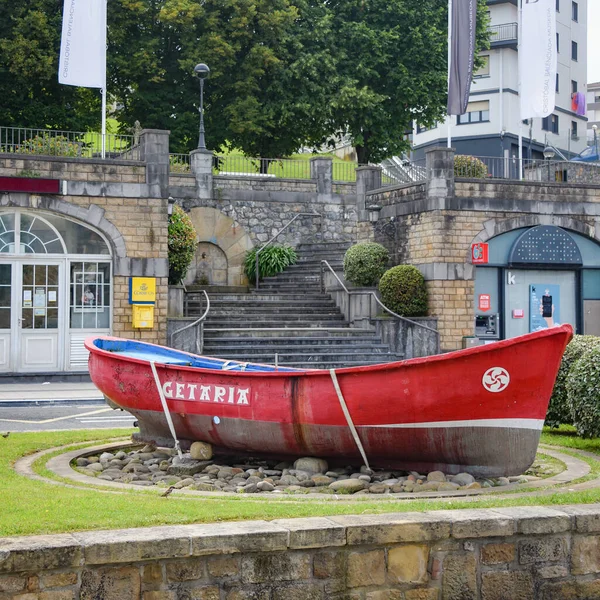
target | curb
x=21, y=402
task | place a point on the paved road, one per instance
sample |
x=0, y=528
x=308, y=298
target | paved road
x=52, y=416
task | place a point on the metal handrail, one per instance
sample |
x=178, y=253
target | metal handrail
x=300, y=214
x=385, y=308
x=199, y=321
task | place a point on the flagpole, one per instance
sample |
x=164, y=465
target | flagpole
x=519, y=50
x=103, y=91
x=449, y=141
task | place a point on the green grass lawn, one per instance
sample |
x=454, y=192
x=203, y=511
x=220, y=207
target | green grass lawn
x=36, y=507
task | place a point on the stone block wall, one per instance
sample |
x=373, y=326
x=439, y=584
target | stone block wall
x=520, y=553
x=72, y=169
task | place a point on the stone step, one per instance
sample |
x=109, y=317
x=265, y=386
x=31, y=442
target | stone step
x=340, y=246
x=252, y=333
x=254, y=300
x=270, y=346
x=287, y=287
x=296, y=358
x=295, y=278
x=272, y=322
x=302, y=337
x=264, y=296
x=260, y=310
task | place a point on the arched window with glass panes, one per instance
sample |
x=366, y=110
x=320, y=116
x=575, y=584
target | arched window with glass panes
x=88, y=261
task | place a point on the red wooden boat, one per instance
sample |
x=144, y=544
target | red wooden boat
x=479, y=410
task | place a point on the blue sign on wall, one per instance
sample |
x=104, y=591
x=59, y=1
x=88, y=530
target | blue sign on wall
x=544, y=306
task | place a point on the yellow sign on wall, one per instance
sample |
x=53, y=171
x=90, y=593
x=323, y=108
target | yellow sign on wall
x=142, y=290
x=143, y=316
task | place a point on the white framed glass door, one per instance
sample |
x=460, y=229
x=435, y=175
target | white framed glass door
x=40, y=316
x=6, y=315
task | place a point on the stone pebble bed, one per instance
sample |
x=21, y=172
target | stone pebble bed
x=163, y=468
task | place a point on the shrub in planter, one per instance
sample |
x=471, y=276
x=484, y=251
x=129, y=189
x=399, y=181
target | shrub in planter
x=403, y=291
x=469, y=166
x=559, y=411
x=583, y=389
x=365, y=263
x=181, y=243
x=272, y=260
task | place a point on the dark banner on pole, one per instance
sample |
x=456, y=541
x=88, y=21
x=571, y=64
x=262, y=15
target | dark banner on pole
x=462, y=54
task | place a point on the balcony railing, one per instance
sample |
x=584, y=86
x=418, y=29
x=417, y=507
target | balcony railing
x=507, y=32
x=76, y=144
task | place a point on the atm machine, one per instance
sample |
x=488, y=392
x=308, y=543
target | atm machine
x=487, y=327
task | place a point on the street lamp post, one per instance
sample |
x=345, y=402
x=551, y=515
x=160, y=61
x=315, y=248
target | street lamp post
x=549, y=154
x=202, y=72
x=595, y=129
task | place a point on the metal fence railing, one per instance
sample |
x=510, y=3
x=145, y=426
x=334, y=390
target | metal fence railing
x=237, y=165
x=503, y=33
x=77, y=144
x=179, y=163
x=397, y=171
x=344, y=171
x=553, y=171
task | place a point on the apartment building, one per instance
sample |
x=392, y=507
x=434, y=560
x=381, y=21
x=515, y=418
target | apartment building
x=490, y=127
x=593, y=111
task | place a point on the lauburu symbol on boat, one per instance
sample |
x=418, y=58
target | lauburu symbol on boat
x=495, y=379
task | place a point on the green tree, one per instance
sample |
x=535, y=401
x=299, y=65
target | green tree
x=392, y=69
x=29, y=88
x=267, y=61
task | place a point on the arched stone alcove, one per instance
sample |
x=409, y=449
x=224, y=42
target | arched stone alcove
x=223, y=241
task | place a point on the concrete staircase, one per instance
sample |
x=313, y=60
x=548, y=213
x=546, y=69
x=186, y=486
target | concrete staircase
x=288, y=320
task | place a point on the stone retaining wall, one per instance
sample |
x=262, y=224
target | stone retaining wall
x=514, y=553
x=73, y=169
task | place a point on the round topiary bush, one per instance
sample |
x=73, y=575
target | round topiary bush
x=469, y=166
x=365, y=263
x=181, y=244
x=583, y=389
x=559, y=410
x=403, y=291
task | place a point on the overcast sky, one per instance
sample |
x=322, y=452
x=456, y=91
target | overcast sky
x=593, y=41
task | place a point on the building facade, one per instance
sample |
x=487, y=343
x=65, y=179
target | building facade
x=593, y=107
x=492, y=122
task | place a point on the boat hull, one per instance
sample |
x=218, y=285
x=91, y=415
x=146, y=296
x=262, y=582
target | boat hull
x=479, y=410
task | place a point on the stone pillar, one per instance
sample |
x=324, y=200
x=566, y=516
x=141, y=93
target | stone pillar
x=439, y=163
x=367, y=178
x=154, y=151
x=321, y=171
x=201, y=164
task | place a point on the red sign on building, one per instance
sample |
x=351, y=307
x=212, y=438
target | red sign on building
x=479, y=254
x=485, y=302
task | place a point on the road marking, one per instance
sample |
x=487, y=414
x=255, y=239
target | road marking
x=100, y=422
x=93, y=412
x=96, y=419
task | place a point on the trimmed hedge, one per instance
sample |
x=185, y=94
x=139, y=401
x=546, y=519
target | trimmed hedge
x=365, y=263
x=559, y=410
x=181, y=244
x=272, y=260
x=469, y=166
x=583, y=389
x=403, y=291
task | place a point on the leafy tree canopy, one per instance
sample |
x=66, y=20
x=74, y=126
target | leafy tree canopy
x=284, y=73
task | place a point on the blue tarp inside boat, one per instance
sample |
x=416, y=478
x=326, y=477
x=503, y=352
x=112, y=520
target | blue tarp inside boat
x=168, y=356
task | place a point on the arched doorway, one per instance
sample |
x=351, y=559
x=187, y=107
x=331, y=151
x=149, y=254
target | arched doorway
x=55, y=290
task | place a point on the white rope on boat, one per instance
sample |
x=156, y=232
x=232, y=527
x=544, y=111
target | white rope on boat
x=340, y=396
x=163, y=401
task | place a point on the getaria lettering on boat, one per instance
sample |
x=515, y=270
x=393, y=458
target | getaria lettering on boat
x=208, y=393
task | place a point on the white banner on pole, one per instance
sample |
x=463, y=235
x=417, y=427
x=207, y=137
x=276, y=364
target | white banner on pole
x=83, y=44
x=537, y=58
